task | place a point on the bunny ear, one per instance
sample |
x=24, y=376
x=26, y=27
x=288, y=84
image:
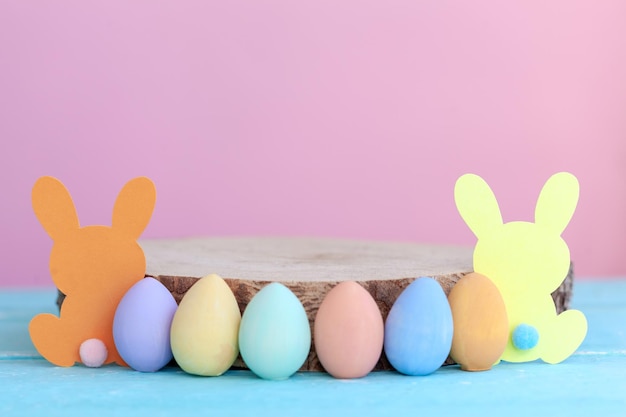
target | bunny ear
x=134, y=205
x=477, y=204
x=54, y=207
x=557, y=202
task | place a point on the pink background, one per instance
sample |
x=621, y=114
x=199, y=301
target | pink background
x=311, y=117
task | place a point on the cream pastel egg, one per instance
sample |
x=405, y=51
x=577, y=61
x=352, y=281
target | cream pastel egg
x=204, y=334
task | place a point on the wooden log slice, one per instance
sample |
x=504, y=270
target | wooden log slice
x=310, y=267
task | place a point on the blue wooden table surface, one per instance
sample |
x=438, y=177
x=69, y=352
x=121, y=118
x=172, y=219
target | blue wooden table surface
x=592, y=382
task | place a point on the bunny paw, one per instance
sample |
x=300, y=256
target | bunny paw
x=563, y=336
x=53, y=340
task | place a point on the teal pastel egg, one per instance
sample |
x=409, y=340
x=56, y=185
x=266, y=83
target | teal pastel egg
x=141, y=326
x=274, y=335
x=419, y=329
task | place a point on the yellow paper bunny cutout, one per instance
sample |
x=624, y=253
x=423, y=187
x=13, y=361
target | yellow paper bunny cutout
x=527, y=262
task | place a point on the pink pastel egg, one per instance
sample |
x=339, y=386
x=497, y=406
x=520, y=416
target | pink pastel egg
x=348, y=331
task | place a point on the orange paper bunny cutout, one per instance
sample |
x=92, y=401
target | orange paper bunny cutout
x=93, y=266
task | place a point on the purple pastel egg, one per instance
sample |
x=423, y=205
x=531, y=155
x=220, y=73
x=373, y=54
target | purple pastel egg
x=141, y=326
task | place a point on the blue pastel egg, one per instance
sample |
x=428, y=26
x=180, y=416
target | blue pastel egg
x=141, y=326
x=418, y=330
x=274, y=334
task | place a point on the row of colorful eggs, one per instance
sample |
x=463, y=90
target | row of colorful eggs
x=206, y=332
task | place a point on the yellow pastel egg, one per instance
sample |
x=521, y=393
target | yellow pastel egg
x=205, y=328
x=481, y=325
